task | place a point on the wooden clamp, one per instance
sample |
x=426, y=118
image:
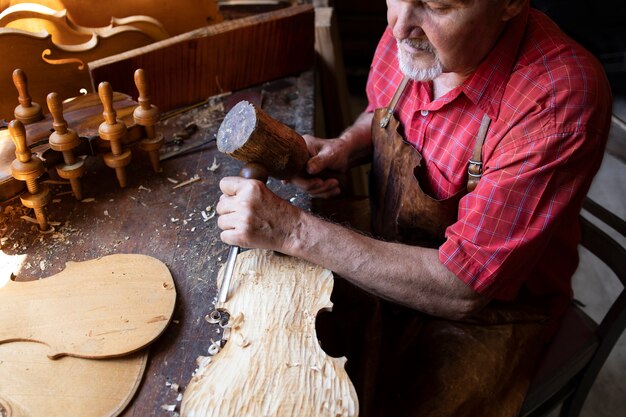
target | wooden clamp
x=65, y=140
x=147, y=115
x=113, y=130
x=29, y=168
x=27, y=111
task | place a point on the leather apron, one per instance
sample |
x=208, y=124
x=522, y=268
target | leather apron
x=406, y=363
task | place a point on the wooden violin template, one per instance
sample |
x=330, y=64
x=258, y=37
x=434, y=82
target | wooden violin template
x=32, y=385
x=102, y=308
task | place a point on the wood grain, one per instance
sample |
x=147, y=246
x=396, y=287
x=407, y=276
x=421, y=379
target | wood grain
x=228, y=56
x=57, y=68
x=272, y=364
x=251, y=135
x=32, y=385
x=105, y=307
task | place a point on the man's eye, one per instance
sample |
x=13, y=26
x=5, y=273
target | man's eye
x=437, y=6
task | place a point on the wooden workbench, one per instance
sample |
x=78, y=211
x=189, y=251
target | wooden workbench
x=150, y=216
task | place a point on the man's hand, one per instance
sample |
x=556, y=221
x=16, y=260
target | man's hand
x=328, y=156
x=252, y=216
x=335, y=156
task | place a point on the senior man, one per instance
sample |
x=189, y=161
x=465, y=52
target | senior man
x=485, y=126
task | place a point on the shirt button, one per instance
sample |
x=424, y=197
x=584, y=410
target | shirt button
x=424, y=113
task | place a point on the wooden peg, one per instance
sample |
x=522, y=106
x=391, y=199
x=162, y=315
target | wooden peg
x=29, y=168
x=251, y=135
x=27, y=111
x=147, y=115
x=113, y=130
x=64, y=140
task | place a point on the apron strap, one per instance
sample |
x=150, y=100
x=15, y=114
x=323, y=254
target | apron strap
x=475, y=164
x=394, y=101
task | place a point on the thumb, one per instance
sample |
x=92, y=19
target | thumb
x=314, y=165
x=317, y=164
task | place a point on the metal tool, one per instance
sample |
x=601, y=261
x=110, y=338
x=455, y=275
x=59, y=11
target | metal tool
x=228, y=274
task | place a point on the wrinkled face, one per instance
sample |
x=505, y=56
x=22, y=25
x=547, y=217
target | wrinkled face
x=436, y=36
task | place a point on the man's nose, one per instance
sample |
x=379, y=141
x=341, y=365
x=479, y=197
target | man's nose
x=406, y=20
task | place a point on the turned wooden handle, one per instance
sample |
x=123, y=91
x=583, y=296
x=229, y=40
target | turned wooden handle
x=18, y=135
x=255, y=171
x=21, y=83
x=56, y=110
x=143, y=89
x=251, y=135
x=105, y=91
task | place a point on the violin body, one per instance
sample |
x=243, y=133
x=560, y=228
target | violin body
x=272, y=364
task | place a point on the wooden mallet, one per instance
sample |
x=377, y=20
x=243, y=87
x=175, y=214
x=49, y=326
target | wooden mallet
x=253, y=137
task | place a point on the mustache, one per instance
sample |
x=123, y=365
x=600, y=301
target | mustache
x=416, y=43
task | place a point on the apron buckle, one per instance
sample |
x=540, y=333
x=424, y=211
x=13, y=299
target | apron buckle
x=385, y=120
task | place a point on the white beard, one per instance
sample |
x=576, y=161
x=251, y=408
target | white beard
x=408, y=67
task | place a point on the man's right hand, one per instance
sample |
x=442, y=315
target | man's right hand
x=329, y=157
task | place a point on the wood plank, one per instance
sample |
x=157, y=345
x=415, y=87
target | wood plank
x=32, y=385
x=228, y=56
x=332, y=73
x=56, y=68
x=272, y=364
x=105, y=307
x=176, y=16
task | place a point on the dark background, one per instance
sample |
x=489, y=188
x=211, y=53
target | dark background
x=599, y=25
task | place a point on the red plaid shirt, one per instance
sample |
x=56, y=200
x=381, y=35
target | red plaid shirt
x=550, y=106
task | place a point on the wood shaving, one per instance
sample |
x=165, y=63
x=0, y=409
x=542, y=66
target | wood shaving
x=56, y=182
x=242, y=340
x=88, y=200
x=214, y=348
x=209, y=214
x=29, y=219
x=172, y=180
x=213, y=166
x=203, y=360
x=189, y=181
x=141, y=187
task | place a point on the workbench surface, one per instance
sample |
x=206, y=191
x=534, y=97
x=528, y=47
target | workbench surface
x=175, y=225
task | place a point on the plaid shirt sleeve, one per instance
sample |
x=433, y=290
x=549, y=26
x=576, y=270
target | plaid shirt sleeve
x=546, y=146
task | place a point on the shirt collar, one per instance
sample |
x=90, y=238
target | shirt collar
x=486, y=86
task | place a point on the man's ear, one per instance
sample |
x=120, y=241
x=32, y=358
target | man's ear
x=512, y=8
